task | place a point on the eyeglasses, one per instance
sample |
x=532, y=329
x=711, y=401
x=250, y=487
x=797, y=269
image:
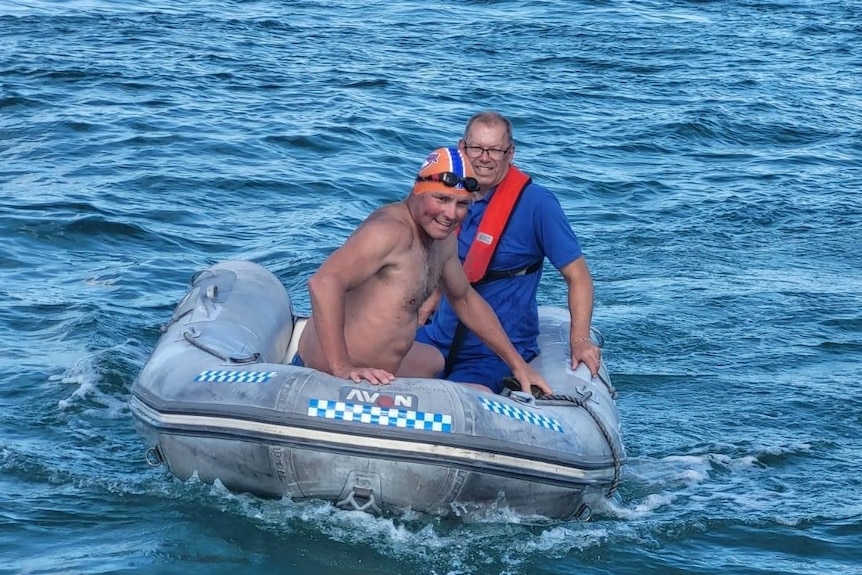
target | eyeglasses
x=451, y=179
x=493, y=153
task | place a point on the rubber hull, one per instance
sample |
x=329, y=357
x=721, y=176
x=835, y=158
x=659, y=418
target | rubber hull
x=218, y=398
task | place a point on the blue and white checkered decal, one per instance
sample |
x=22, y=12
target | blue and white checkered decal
x=521, y=414
x=376, y=415
x=228, y=376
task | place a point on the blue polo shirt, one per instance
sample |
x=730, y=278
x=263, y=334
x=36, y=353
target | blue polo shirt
x=537, y=229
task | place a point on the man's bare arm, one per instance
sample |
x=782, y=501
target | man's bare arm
x=355, y=262
x=480, y=318
x=580, y=286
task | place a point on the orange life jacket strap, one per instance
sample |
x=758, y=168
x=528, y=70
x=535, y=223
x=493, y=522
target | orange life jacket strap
x=494, y=222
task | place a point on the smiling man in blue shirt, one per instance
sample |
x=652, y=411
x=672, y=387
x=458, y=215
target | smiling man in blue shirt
x=525, y=225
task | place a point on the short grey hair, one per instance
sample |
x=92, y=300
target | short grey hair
x=490, y=117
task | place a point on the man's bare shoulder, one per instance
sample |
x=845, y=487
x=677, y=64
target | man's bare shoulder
x=396, y=211
x=391, y=219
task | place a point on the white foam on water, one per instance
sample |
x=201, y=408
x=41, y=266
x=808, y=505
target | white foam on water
x=86, y=383
x=502, y=543
x=87, y=395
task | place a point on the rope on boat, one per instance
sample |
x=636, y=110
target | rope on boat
x=582, y=402
x=191, y=335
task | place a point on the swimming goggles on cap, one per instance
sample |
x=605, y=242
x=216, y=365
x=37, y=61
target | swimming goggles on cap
x=451, y=180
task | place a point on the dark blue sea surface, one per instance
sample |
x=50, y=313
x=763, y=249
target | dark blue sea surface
x=707, y=153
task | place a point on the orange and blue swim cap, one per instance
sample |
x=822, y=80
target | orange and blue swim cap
x=446, y=170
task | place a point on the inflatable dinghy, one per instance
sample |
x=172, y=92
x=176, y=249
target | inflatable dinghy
x=218, y=398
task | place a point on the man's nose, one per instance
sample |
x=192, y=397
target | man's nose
x=451, y=211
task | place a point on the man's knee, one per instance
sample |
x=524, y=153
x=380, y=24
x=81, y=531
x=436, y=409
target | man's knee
x=423, y=360
x=487, y=374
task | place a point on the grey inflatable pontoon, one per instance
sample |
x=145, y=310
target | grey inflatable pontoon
x=218, y=398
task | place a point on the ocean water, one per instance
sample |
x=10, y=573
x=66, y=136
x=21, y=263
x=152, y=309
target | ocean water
x=707, y=153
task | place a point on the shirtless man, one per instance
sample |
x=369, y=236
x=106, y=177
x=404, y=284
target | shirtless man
x=366, y=296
